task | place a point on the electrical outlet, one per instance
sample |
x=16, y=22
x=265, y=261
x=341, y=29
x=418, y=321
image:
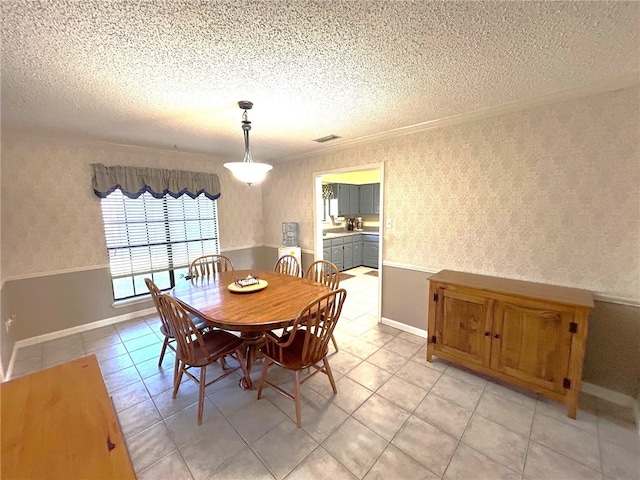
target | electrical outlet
x=9, y=321
x=389, y=223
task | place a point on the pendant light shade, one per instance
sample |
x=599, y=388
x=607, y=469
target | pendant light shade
x=247, y=171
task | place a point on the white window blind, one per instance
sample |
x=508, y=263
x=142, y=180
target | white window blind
x=156, y=238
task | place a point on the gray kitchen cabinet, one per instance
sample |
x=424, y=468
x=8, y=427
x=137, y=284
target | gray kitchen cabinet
x=337, y=257
x=357, y=250
x=344, y=199
x=354, y=199
x=357, y=199
x=347, y=253
x=326, y=250
x=370, y=250
x=348, y=199
x=366, y=199
x=376, y=198
x=370, y=199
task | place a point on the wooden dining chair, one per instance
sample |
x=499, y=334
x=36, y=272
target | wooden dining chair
x=198, y=350
x=210, y=265
x=288, y=265
x=165, y=328
x=325, y=272
x=304, y=345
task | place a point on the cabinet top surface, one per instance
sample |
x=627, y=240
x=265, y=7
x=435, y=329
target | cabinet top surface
x=555, y=293
x=60, y=423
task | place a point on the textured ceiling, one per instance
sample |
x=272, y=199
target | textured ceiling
x=165, y=73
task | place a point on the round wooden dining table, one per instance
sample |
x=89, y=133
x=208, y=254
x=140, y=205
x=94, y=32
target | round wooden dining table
x=245, y=310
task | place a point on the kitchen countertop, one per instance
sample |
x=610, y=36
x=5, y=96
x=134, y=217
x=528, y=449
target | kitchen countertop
x=348, y=233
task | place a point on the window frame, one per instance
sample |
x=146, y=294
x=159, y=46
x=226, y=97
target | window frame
x=176, y=231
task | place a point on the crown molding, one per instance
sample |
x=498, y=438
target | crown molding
x=73, y=140
x=613, y=84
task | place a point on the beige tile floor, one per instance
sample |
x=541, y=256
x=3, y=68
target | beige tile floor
x=395, y=415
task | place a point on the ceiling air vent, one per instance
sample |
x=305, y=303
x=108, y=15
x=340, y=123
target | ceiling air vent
x=328, y=138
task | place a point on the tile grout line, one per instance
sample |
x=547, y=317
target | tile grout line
x=404, y=423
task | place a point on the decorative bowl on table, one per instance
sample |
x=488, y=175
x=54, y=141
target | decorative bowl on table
x=247, y=285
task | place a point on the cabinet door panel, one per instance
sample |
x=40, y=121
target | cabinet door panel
x=344, y=202
x=357, y=253
x=462, y=320
x=354, y=199
x=336, y=256
x=370, y=254
x=533, y=344
x=376, y=198
x=347, y=260
x=366, y=199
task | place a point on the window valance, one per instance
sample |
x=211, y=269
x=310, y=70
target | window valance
x=134, y=181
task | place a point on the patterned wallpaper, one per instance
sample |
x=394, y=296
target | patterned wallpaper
x=550, y=194
x=51, y=219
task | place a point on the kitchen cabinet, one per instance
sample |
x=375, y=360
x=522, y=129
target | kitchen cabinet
x=326, y=249
x=357, y=199
x=366, y=199
x=354, y=199
x=337, y=252
x=344, y=252
x=344, y=195
x=376, y=198
x=357, y=250
x=370, y=250
x=347, y=253
x=370, y=199
x=348, y=198
x=528, y=334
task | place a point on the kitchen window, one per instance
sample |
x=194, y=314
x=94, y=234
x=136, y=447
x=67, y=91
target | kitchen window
x=156, y=238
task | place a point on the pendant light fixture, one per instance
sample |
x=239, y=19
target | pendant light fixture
x=248, y=171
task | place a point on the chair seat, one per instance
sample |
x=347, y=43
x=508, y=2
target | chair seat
x=289, y=357
x=218, y=343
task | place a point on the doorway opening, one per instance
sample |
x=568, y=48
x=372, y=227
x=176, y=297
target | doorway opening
x=348, y=230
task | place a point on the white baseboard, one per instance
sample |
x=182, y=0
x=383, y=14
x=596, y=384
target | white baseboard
x=404, y=327
x=70, y=331
x=609, y=395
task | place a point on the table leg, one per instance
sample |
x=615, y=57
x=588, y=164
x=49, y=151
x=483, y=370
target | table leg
x=252, y=342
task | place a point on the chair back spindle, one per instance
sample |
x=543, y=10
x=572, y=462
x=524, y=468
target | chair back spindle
x=325, y=272
x=191, y=348
x=312, y=329
x=210, y=265
x=287, y=265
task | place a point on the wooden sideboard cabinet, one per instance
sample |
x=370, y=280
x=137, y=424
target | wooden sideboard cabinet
x=59, y=423
x=528, y=334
